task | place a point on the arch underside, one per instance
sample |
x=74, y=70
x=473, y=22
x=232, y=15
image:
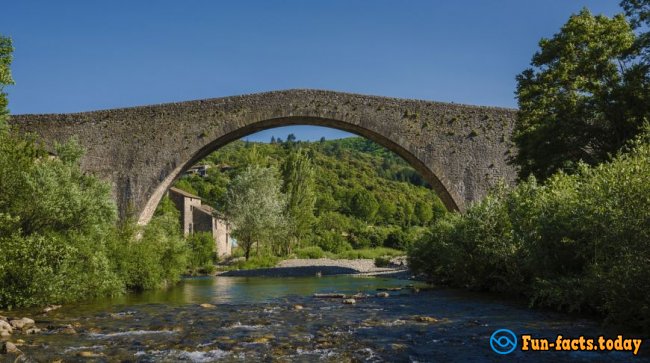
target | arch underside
x=451, y=201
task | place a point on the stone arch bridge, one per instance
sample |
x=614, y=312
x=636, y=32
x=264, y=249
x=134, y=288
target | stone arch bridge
x=460, y=150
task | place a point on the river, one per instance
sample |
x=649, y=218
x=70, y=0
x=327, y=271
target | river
x=278, y=319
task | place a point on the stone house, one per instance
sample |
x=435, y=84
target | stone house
x=198, y=217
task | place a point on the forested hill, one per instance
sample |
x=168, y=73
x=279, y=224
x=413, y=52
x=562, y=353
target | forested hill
x=366, y=195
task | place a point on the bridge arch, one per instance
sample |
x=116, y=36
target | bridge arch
x=460, y=150
x=449, y=199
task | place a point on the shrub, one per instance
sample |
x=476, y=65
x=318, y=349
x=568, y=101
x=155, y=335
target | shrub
x=382, y=261
x=309, y=252
x=202, y=254
x=576, y=243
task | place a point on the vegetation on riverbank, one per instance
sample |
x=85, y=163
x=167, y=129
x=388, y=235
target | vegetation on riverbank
x=578, y=240
x=60, y=239
x=575, y=243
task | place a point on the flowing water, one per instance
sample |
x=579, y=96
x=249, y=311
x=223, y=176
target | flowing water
x=258, y=320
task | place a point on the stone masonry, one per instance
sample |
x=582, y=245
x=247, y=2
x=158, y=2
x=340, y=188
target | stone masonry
x=460, y=150
x=197, y=217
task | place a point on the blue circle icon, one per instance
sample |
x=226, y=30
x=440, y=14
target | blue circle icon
x=503, y=341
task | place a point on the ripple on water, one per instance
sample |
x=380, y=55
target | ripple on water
x=183, y=355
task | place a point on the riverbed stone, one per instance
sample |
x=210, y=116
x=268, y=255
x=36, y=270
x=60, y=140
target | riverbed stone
x=208, y=306
x=5, y=326
x=425, y=319
x=88, y=354
x=9, y=347
x=297, y=307
x=383, y=294
x=349, y=301
x=49, y=308
x=33, y=330
x=23, y=323
x=4, y=334
x=67, y=329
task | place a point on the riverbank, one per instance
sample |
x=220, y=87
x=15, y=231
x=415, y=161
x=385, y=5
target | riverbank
x=325, y=267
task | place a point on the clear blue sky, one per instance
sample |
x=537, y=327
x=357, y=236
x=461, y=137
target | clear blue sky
x=85, y=55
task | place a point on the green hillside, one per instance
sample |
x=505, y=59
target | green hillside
x=366, y=196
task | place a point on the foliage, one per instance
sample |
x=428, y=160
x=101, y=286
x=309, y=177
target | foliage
x=309, y=252
x=583, y=99
x=577, y=243
x=361, y=192
x=255, y=208
x=6, y=50
x=382, y=261
x=256, y=261
x=298, y=186
x=59, y=235
x=202, y=253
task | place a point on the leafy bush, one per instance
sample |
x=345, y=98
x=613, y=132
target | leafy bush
x=576, y=243
x=382, y=261
x=309, y=252
x=201, y=253
x=332, y=241
x=59, y=236
x=257, y=261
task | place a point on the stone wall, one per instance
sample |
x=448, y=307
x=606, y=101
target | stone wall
x=460, y=150
x=185, y=202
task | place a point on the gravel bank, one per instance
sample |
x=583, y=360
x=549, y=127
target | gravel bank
x=322, y=266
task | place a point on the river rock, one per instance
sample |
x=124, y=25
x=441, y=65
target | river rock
x=87, y=354
x=33, y=330
x=4, y=334
x=49, y=308
x=382, y=294
x=208, y=306
x=3, y=318
x=349, y=301
x=425, y=319
x=67, y=329
x=23, y=323
x=297, y=307
x=4, y=326
x=329, y=296
x=9, y=347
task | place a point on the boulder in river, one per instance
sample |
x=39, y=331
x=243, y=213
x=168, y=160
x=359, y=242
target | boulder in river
x=33, y=330
x=425, y=319
x=382, y=294
x=4, y=326
x=329, y=296
x=9, y=347
x=49, y=308
x=349, y=301
x=208, y=306
x=297, y=307
x=23, y=323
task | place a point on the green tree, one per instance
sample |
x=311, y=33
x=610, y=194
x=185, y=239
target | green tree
x=638, y=12
x=298, y=175
x=255, y=206
x=6, y=50
x=582, y=100
x=363, y=205
x=424, y=212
